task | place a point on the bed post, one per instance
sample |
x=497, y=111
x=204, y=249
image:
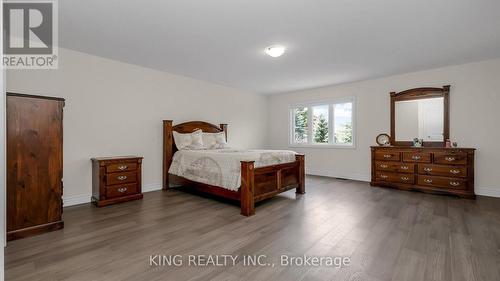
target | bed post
x=301, y=188
x=167, y=151
x=247, y=188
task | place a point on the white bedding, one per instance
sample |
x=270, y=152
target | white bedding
x=222, y=167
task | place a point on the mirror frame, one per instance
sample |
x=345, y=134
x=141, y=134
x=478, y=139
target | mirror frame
x=416, y=94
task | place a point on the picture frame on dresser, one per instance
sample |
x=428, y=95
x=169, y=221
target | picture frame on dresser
x=432, y=167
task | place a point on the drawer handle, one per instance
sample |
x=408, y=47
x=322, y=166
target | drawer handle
x=122, y=189
x=450, y=159
x=454, y=183
x=405, y=178
x=428, y=180
x=387, y=156
x=121, y=178
x=383, y=166
x=383, y=176
x=404, y=167
x=122, y=167
x=455, y=171
x=416, y=157
x=428, y=169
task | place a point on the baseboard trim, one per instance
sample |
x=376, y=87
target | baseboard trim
x=483, y=191
x=152, y=187
x=85, y=198
x=356, y=177
x=76, y=200
x=488, y=191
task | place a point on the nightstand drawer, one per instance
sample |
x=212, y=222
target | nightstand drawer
x=121, y=167
x=121, y=178
x=121, y=190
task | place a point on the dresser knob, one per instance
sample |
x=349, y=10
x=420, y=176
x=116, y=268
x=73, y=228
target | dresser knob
x=455, y=171
x=405, y=178
x=404, y=167
x=454, y=183
x=428, y=169
x=450, y=159
x=383, y=176
x=122, y=189
x=416, y=157
x=121, y=178
x=122, y=167
x=428, y=180
x=387, y=155
x=383, y=166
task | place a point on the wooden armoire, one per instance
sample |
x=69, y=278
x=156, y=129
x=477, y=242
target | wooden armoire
x=34, y=164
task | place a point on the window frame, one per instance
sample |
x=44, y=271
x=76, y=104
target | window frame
x=331, y=124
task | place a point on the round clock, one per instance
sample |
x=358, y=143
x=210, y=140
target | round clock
x=383, y=140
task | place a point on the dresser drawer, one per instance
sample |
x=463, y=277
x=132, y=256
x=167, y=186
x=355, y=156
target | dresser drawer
x=121, y=167
x=442, y=182
x=121, y=190
x=395, y=167
x=121, y=178
x=387, y=155
x=419, y=157
x=450, y=158
x=442, y=170
x=395, y=177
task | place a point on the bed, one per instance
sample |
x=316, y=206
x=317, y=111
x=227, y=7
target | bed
x=261, y=174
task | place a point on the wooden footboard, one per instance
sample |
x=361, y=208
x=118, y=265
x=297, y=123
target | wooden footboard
x=256, y=183
x=265, y=182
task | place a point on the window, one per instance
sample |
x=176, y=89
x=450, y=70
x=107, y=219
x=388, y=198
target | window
x=323, y=124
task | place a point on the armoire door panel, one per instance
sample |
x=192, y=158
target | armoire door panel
x=34, y=161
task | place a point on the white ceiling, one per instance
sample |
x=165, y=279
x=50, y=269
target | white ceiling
x=328, y=41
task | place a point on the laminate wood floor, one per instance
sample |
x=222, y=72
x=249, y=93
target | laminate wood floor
x=388, y=235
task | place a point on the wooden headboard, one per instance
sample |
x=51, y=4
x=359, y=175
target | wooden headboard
x=169, y=147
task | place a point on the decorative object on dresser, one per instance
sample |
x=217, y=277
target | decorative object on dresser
x=383, y=140
x=423, y=113
x=34, y=164
x=257, y=183
x=116, y=179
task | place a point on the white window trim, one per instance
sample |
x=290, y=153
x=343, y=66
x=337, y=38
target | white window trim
x=330, y=145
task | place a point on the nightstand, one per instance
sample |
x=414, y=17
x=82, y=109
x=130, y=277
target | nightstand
x=116, y=179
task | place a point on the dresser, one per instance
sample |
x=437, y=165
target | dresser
x=34, y=166
x=116, y=179
x=430, y=169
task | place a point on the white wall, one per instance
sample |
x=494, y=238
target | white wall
x=113, y=108
x=474, y=106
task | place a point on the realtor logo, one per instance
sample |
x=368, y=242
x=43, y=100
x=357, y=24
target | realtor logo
x=30, y=34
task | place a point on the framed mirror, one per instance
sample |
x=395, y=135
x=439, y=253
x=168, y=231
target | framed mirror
x=421, y=113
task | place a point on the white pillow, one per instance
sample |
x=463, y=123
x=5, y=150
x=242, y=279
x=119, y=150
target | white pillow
x=214, y=140
x=188, y=141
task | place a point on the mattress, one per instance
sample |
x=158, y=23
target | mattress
x=222, y=167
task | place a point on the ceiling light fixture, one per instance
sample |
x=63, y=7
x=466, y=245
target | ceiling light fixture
x=275, y=50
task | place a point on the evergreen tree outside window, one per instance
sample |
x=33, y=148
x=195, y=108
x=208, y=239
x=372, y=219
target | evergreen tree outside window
x=329, y=124
x=300, y=125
